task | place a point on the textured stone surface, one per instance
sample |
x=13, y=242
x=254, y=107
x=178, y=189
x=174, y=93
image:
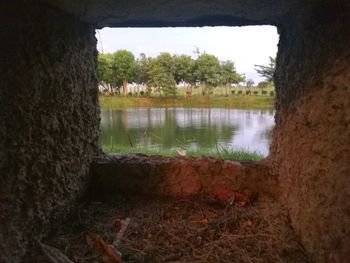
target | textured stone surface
x=179, y=12
x=49, y=114
x=311, y=141
x=49, y=121
x=177, y=177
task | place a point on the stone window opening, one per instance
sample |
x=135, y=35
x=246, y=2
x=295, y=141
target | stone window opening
x=243, y=130
x=51, y=161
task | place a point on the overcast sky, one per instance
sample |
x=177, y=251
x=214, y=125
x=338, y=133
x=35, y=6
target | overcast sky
x=245, y=46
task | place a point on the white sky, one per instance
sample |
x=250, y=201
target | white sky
x=246, y=46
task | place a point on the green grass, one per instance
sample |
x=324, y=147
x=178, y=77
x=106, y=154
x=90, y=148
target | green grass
x=232, y=102
x=221, y=152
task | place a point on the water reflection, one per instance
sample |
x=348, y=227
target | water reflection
x=192, y=128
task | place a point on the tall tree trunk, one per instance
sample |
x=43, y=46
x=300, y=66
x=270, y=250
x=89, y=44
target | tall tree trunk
x=125, y=87
x=227, y=88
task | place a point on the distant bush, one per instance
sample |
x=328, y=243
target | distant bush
x=233, y=92
x=264, y=92
x=255, y=92
x=248, y=92
x=272, y=93
x=142, y=93
x=239, y=92
x=130, y=93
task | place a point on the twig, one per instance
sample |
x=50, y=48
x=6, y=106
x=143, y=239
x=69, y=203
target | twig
x=120, y=234
x=54, y=255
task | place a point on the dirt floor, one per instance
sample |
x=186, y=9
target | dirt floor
x=187, y=230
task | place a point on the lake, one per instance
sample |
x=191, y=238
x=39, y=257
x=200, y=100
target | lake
x=188, y=128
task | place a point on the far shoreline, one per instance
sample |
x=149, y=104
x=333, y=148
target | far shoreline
x=230, y=102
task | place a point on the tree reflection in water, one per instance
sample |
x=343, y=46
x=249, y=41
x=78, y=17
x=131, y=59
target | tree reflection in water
x=190, y=128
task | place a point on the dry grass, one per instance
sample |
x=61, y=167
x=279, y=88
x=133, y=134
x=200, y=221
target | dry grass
x=190, y=230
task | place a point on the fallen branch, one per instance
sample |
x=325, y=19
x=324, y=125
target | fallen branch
x=121, y=232
x=54, y=255
x=109, y=253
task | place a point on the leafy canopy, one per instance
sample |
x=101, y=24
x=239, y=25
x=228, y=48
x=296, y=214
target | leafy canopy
x=207, y=70
x=161, y=74
x=104, y=69
x=229, y=74
x=183, y=68
x=141, y=69
x=124, y=66
x=267, y=71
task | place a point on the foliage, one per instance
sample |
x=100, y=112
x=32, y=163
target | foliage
x=250, y=83
x=105, y=74
x=141, y=69
x=161, y=74
x=267, y=71
x=207, y=70
x=124, y=67
x=265, y=85
x=183, y=69
x=116, y=69
x=229, y=74
x=103, y=67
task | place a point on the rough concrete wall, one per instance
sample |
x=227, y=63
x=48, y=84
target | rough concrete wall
x=311, y=144
x=49, y=121
x=157, y=13
x=178, y=177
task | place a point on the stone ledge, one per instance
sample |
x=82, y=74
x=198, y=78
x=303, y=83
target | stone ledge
x=136, y=174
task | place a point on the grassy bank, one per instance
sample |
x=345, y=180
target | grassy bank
x=233, y=102
x=219, y=153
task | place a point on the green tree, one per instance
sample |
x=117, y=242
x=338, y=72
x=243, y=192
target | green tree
x=124, y=68
x=161, y=74
x=207, y=70
x=183, y=71
x=105, y=72
x=267, y=71
x=263, y=85
x=229, y=75
x=250, y=83
x=141, y=71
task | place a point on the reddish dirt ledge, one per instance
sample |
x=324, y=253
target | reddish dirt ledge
x=136, y=174
x=173, y=216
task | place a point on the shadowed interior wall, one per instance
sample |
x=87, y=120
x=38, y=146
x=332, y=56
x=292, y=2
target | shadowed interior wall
x=49, y=121
x=311, y=142
x=49, y=108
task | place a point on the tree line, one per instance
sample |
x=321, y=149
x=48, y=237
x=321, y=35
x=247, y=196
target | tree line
x=163, y=73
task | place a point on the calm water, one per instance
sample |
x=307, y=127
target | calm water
x=189, y=128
